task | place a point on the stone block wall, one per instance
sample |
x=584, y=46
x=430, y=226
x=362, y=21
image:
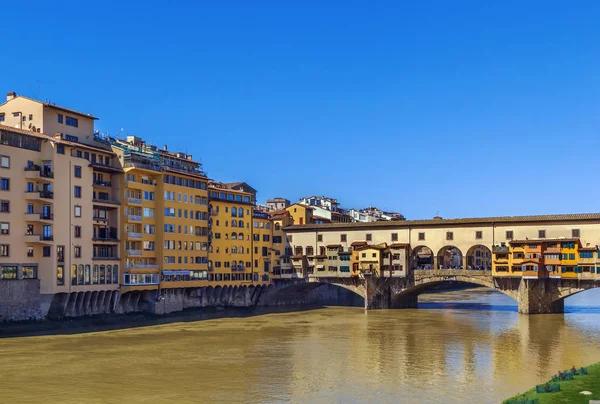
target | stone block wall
x=20, y=300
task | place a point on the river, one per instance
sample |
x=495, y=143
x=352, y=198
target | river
x=462, y=346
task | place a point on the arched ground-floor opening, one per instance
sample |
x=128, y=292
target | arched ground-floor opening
x=450, y=257
x=421, y=257
x=479, y=257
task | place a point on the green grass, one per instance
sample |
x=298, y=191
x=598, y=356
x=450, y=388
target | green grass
x=569, y=390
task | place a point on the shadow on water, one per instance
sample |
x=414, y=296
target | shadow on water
x=90, y=324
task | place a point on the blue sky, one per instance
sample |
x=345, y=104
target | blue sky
x=462, y=108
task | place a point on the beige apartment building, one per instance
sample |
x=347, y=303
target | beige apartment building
x=59, y=208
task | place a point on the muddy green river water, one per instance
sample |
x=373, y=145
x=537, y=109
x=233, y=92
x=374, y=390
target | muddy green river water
x=458, y=347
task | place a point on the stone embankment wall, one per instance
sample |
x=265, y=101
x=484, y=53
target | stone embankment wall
x=20, y=300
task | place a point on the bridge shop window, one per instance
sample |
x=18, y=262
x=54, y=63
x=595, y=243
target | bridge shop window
x=509, y=235
x=394, y=236
x=575, y=233
x=449, y=235
x=421, y=236
x=478, y=235
x=541, y=233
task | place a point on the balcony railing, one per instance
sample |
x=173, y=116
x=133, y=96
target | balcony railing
x=102, y=183
x=134, y=253
x=135, y=218
x=107, y=258
x=134, y=235
x=500, y=249
x=136, y=201
x=141, y=266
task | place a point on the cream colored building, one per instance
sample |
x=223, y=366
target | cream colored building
x=455, y=242
x=60, y=212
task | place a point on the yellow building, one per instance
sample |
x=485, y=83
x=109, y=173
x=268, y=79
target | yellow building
x=231, y=212
x=370, y=259
x=281, y=249
x=165, y=217
x=301, y=214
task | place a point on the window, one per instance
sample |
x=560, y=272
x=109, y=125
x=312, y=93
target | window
x=394, y=236
x=77, y=211
x=77, y=191
x=319, y=238
x=369, y=237
x=421, y=236
x=4, y=161
x=509, y=234
x=77, y=231
x=571, y=256
x=363, y=255
x=77, y=171
x=4, y=184
x=46, y=251
x=541, y=233
x=77, y=251
x=60, y=118
x=74, y=122
x=4, y=228
x=5, y=206
x=60, y=149
x=1, y=117
x=478, y=235
x=60, y=275
x=4, y=250
x=575, y=233
x=8, y=272
x=449, y=235
x=31, y=117
x=29, y=272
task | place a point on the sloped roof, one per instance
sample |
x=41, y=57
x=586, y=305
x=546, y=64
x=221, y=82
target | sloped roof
x=47, y=104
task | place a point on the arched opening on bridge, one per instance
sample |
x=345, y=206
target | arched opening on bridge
x=312, y=294
x=449, y=257
x=421, y=257
x=479, y=257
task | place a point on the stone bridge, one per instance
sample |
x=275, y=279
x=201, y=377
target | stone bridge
x=534, y=296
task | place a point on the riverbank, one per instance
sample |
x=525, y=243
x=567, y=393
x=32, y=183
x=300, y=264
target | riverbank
x=570, y=391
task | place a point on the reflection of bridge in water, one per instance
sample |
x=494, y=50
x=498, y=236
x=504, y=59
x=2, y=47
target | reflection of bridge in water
x=534, y=296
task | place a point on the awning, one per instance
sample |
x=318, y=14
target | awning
x=176, y=272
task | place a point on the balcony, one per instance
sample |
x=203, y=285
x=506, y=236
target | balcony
x=552, y=250
x=500, y=249
x=36, y=172
x=108, y=235
x=39, y=239
x=134, y=235
x=134, y=218
x=39, y=217
x=134, y=253
x=141, y=266
x=43, y=196
x=105, y=200
x=106, y=184
x=135, y=201
x=108, y=258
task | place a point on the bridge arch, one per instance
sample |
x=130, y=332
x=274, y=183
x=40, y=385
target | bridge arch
x=449, y=257
x=328, y=290
x=479, y=256
x=423, y=280
x=421, y=257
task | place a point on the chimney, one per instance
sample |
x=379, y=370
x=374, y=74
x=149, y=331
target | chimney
x=165, y=147
x=11, y=95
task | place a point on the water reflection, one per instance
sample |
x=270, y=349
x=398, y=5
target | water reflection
x=467, y=346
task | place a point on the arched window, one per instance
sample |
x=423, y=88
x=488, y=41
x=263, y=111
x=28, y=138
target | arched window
x=88, y=274
x=233, y=236
x=234, y=250
x=240, y=236
x=277, y=226
x=241, y=250
x=226, y=236
x=80, y=277
x=102, y=274
x=241, y=224
x=209, y=265
x=233, y=212
x=95, y=278
x=73, y=274
x=233, y=264
x=233, y=223
x=108, y=276
x=241, y=212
